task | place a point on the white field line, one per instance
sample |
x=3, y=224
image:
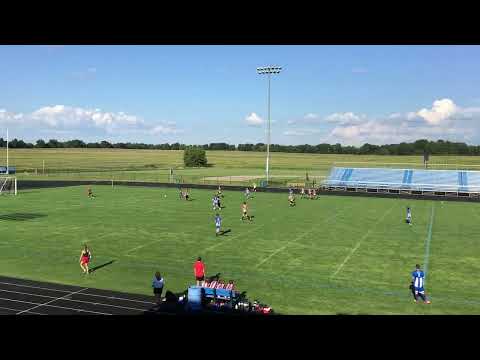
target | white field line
x=85, y=294
x=16, y=310
x=233, y=237
x=298, y=238
x=284, y=247
x=360, y=241
x=142, y=246
x=427, y=242
x=54, y=306
x=67, y=299
x=54, y=299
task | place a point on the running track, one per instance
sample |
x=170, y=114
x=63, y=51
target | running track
x=27, y=297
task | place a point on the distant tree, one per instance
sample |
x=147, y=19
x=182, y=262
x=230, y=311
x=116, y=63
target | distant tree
x=40, y=144
x=53, y=143
x=194, y=156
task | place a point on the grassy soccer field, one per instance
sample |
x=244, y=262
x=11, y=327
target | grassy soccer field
x=337, y=254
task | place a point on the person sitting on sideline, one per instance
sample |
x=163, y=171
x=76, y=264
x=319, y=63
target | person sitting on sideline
x=157, y=285
x=221, y=285
x=213, y=283
x=230, y=285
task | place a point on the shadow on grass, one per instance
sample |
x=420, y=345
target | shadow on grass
x=21, y=216
x=100, y=266
x=223, y=232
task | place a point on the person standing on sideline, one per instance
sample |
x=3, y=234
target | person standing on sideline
x=199, y=271
x=418, y=280
x=157, y=286
x=85, y=257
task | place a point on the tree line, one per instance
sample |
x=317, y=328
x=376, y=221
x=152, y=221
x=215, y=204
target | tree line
x=439, y=147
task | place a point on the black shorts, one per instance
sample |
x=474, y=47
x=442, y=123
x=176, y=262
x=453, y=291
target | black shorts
x=157, y=291
x=200, y=278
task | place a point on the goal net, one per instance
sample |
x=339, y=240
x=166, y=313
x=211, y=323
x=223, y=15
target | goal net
x=8, y=185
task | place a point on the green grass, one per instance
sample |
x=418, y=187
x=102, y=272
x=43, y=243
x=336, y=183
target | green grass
x=338, y=254
x=154, y=165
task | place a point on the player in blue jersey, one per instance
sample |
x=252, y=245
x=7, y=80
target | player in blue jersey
x=215, y=202
x=418, y=281
x=218, y=224
x=409, y=216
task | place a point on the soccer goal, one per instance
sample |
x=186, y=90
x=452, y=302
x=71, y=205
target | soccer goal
x=8, y=185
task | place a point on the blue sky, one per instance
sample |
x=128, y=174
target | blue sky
x=202, y=94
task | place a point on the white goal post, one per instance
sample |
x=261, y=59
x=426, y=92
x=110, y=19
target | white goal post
x=8, y=185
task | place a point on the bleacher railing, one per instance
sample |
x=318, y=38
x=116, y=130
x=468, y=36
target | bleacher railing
x=403, y=186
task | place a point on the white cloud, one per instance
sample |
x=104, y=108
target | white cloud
x=92, y=70
x=63, y=119
x=254, y=120
x=345, y=118
x=311, y=116
x=301, y=132
x=444, y=120
x=441, y=110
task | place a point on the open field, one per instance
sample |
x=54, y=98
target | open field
x=154, y=165
x=337, y=254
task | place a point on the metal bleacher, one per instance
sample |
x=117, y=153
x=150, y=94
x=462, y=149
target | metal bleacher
x=459, y=183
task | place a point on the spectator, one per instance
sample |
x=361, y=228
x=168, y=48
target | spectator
x=157, y=285
x=230, y=285
x=199, y=271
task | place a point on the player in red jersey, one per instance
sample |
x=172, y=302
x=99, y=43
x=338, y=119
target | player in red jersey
x=85, y=257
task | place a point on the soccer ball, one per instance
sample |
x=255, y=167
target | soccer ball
x=165, y=195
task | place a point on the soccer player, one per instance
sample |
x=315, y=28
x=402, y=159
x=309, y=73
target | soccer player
x=314, y=194
x=187, y=195
x=245, y=212
x=218, y=224
x=219, y=192
x=215, y=202
x=409, y=216
x=157, y=285
x=254, y=187
x=302, y=192
x=199, y=271
x=291, y=200
x=90, y=193
x=290, y=191
x=247, y=192
x=418, y=280
x=85, y=257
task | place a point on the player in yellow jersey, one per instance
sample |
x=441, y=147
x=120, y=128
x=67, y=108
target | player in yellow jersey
x=245, y=212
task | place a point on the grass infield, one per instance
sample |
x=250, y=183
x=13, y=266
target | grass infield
x=348, y=255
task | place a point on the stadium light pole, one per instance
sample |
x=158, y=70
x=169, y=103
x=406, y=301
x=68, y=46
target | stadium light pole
x=268, y=70
x=7, y=152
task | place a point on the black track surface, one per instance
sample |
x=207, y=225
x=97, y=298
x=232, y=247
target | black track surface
x=27, y=297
